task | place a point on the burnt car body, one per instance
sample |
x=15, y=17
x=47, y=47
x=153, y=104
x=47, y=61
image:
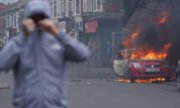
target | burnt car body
x=141, y=69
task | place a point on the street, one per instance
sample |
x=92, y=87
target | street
x=95, y=88
x=123, y=45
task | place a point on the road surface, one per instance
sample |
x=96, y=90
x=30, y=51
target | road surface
x=95, y=88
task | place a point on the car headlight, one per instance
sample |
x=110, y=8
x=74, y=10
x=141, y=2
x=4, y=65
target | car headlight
x=137, y=65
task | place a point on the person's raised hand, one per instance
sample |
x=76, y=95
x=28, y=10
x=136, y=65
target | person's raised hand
x=50, y=26
x=28, y=26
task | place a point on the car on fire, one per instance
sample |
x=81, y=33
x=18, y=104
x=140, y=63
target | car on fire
x=133, y=69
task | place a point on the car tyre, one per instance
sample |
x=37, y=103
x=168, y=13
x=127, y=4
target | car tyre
x=167, y=79
x=132, y=79
x=129, y=75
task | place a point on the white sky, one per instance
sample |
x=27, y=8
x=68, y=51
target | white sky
x=6, y=1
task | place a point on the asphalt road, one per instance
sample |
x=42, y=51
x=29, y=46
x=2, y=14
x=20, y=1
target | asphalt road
x=95, y=88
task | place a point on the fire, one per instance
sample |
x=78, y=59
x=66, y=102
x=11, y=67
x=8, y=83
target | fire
x=136, y=49
x=147, y=52
x=123, y=80
x=151, y=54
x=128, y=42
x=163, y=18
x=144, y=52
x=149, y=80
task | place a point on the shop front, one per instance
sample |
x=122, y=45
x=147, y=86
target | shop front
x=99, y=36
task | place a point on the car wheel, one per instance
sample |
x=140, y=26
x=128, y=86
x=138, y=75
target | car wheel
x=167, y=79
x=129, y=75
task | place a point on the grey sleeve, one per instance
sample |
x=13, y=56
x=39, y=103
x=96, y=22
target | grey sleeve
x=74, y=50
x=9, y=55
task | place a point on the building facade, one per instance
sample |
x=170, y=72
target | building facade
x=13, y=15
x=102, y=29
x=62, y=11
x=98, y=23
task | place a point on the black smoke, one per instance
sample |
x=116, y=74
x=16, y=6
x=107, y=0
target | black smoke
x=146, y=19
x=174, y=26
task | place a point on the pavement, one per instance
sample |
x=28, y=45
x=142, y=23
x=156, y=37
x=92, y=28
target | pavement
x=96, y=88
x=3, y=81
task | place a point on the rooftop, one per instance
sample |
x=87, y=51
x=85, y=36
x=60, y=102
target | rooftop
x=13, y=6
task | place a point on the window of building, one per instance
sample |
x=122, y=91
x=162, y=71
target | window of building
x=20, y=16
x=12, y=20
x=15, y=20
x=77, y=7
x=61, y=9
x=87, y=5
x=54, y=8
x=69, y=7
x=97, y=5
x=0, y=21
x=7, y=21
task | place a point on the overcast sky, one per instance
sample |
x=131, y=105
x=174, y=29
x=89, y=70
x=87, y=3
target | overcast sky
x=6, y=1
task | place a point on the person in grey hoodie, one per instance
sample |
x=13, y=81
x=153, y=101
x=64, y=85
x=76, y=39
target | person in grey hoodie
x=38, y=56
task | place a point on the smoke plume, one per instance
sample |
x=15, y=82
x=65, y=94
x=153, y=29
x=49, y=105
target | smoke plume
x=157, y=24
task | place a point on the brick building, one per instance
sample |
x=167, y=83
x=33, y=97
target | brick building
x=95, y=22
x=102, y=23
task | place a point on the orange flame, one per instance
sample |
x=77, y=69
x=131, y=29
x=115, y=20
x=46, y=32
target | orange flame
x=148, y=80
x=163, y=18
x=151, y=54
x=144, y=52
x=122, y=80
x=128, y=42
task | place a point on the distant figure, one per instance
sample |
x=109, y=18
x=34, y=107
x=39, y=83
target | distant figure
x=94, y=53
x=38, y=56
x=109, y=53
x=178, y=68
x=178, y=75
x=109, y=50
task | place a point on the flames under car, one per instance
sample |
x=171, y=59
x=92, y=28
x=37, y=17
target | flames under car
x=133, y=69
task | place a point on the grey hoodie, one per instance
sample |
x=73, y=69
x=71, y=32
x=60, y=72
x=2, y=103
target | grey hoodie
x=39, y=64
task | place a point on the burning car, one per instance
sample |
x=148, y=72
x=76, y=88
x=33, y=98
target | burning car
x=135, y=69
x=147, y=43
